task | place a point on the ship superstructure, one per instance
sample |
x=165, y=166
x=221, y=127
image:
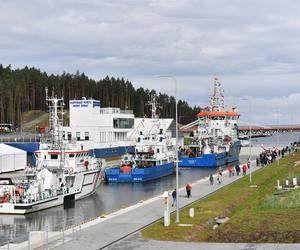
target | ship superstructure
x=103, y=130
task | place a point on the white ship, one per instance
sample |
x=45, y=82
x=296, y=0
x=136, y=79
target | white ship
x=64, y=172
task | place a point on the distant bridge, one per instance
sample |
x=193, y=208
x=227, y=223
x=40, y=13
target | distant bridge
x=266, y=130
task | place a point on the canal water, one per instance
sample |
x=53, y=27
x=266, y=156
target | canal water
x=111, y=197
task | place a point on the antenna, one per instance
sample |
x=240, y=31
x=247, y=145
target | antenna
x=55, y=106
x=154, y=107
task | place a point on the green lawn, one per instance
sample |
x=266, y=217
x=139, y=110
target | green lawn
x=258, y=214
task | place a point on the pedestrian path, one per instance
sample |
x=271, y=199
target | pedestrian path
x=104, y=232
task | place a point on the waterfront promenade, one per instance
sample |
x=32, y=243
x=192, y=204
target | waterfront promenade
x=107, y=232
x=121, y=229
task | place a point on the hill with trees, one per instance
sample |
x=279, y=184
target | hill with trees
x=23, y=90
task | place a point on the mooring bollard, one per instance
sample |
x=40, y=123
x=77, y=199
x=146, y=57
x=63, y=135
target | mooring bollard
x=192, y=212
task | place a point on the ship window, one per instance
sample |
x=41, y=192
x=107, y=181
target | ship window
x=78, y=136
x=69, y=136
x=139, y=139
x=157, y=150
x=54, y=157
x=123, y=123
x=86, y=136
x=153, y=138
x=36, y=155
x=71, y=155
x=160, y=139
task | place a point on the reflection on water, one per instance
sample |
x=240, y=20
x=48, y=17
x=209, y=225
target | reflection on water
x=108, y=198
x=111, y=197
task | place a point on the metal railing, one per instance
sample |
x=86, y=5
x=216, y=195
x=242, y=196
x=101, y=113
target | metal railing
x=47, y=238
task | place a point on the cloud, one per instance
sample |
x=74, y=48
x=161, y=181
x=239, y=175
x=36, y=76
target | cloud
x=252, y=45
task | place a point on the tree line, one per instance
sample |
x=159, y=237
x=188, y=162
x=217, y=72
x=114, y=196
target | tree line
x=23, y=90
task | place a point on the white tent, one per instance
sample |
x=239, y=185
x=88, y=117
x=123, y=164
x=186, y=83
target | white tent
x=11, y=158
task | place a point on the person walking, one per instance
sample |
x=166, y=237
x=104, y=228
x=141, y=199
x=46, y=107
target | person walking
x=174, y=194
x=244, y=169
x=237, y=170
x=211, y=179
x=188, y=188
x=219, y=178
x=229, y=168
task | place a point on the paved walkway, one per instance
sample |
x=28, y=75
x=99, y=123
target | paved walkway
x=106, y=232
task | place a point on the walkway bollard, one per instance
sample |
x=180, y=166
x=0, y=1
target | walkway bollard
x=29, y=244
x=46, y=237
x=63, y=235
x=192, y=212
x=72, y=232
x=8, y=245
x=167, y=211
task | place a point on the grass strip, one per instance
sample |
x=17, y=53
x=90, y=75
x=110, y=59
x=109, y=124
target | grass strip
x=256, y=215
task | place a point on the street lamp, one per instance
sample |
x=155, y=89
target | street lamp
x=277, y=115
x=250, y=137
x=176, y=161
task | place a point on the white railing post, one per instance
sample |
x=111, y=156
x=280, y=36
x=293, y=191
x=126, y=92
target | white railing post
x=29, y=244
x=46, y=237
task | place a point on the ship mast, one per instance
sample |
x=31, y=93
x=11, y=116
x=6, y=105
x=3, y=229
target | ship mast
x=217, y=99
x=154, y=107
x=55, y=107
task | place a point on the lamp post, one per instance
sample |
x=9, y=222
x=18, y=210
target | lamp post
x=176, y=146
x=277, y=136
x=250, y=138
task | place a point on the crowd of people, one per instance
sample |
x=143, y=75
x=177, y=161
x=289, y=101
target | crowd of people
x=266, y=157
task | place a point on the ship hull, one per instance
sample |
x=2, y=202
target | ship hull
x=114, y=175
x=31, y=147
x=212, y=160
x=85, y=184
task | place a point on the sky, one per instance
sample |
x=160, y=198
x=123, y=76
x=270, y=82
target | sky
x=252, y=46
